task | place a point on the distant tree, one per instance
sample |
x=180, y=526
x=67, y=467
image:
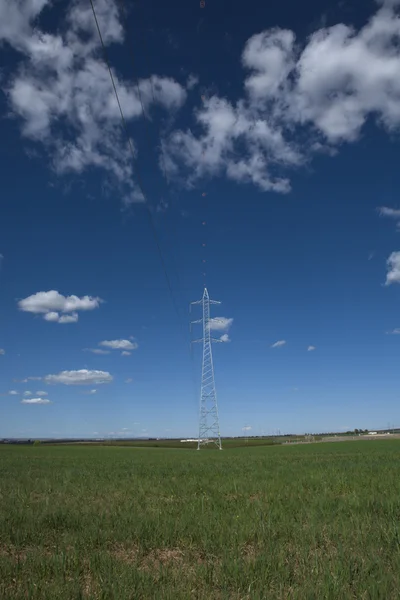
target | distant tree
x=356, y=431
x=36, y=443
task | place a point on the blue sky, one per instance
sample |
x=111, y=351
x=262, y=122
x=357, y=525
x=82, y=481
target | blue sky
x=277, y=127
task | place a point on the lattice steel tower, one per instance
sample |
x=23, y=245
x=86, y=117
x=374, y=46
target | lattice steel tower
x=208, y=418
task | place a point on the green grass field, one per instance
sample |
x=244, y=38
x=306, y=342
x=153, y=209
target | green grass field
x=305, y=522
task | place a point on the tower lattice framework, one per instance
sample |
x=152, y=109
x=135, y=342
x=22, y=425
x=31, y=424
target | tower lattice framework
x=208, y=419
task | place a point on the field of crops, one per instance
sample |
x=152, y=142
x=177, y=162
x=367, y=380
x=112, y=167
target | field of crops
x=304, y=521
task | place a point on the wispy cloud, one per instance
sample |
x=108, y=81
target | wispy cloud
x=96, y=351
x=2, y=351
x=310, y=348
x=394, y=331
x=279, y=344
x=393, y=213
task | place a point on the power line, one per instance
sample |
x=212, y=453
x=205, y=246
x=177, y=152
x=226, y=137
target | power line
x=137, y=174
x=136, y=170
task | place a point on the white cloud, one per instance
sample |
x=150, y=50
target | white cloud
x=97, y=350
x=40, y=393
x=51, y=303
x=322, y=93
x=246, y=428
x=35, y=401
x=192, y=81
x=125, y=353
x=129, y=380
x=310, y=348
x=62, y=92
x=394, y=331
x=225, y=338
x=220, y=323
x=27, y=393
x=393, y=213
x=13, y=393
x=2, y=351
x=278, y=344
x=119, y=344
x=393, y=264
x=81, y=377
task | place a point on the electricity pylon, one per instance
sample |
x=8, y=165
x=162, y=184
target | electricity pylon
x=208, y=418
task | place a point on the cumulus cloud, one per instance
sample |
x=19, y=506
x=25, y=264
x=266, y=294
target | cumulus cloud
x=279, y=344
x=119, y=344
x=51, y=304
x=27, y=393
x=220, y=323
x=393, y=265
x=81, y=377
x=13, y=393
x=321, y=92
x=225, y=338
x=310, y=348
x=40, y=393
x=35, y=401
x=62, y=93
x=125, y=353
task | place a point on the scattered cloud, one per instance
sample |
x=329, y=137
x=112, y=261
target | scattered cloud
x=279, y=344
x=394, y=331
x=13, y=393
x=322, y=92
x=393, y=264
x=2, y=351
x=119, y=344
x=51, y=303
x=225, y=338
x=27, y=393
x=125, y=353
x=62, y=94
x=35, y=401
x=97, y=350
x=191, y=82
x=393, y=213
x=129, y=380
x=29, y=379
x=81, y=377
x=40, y=393
x=220, y=323
x=246, y=428
x=310, y=348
